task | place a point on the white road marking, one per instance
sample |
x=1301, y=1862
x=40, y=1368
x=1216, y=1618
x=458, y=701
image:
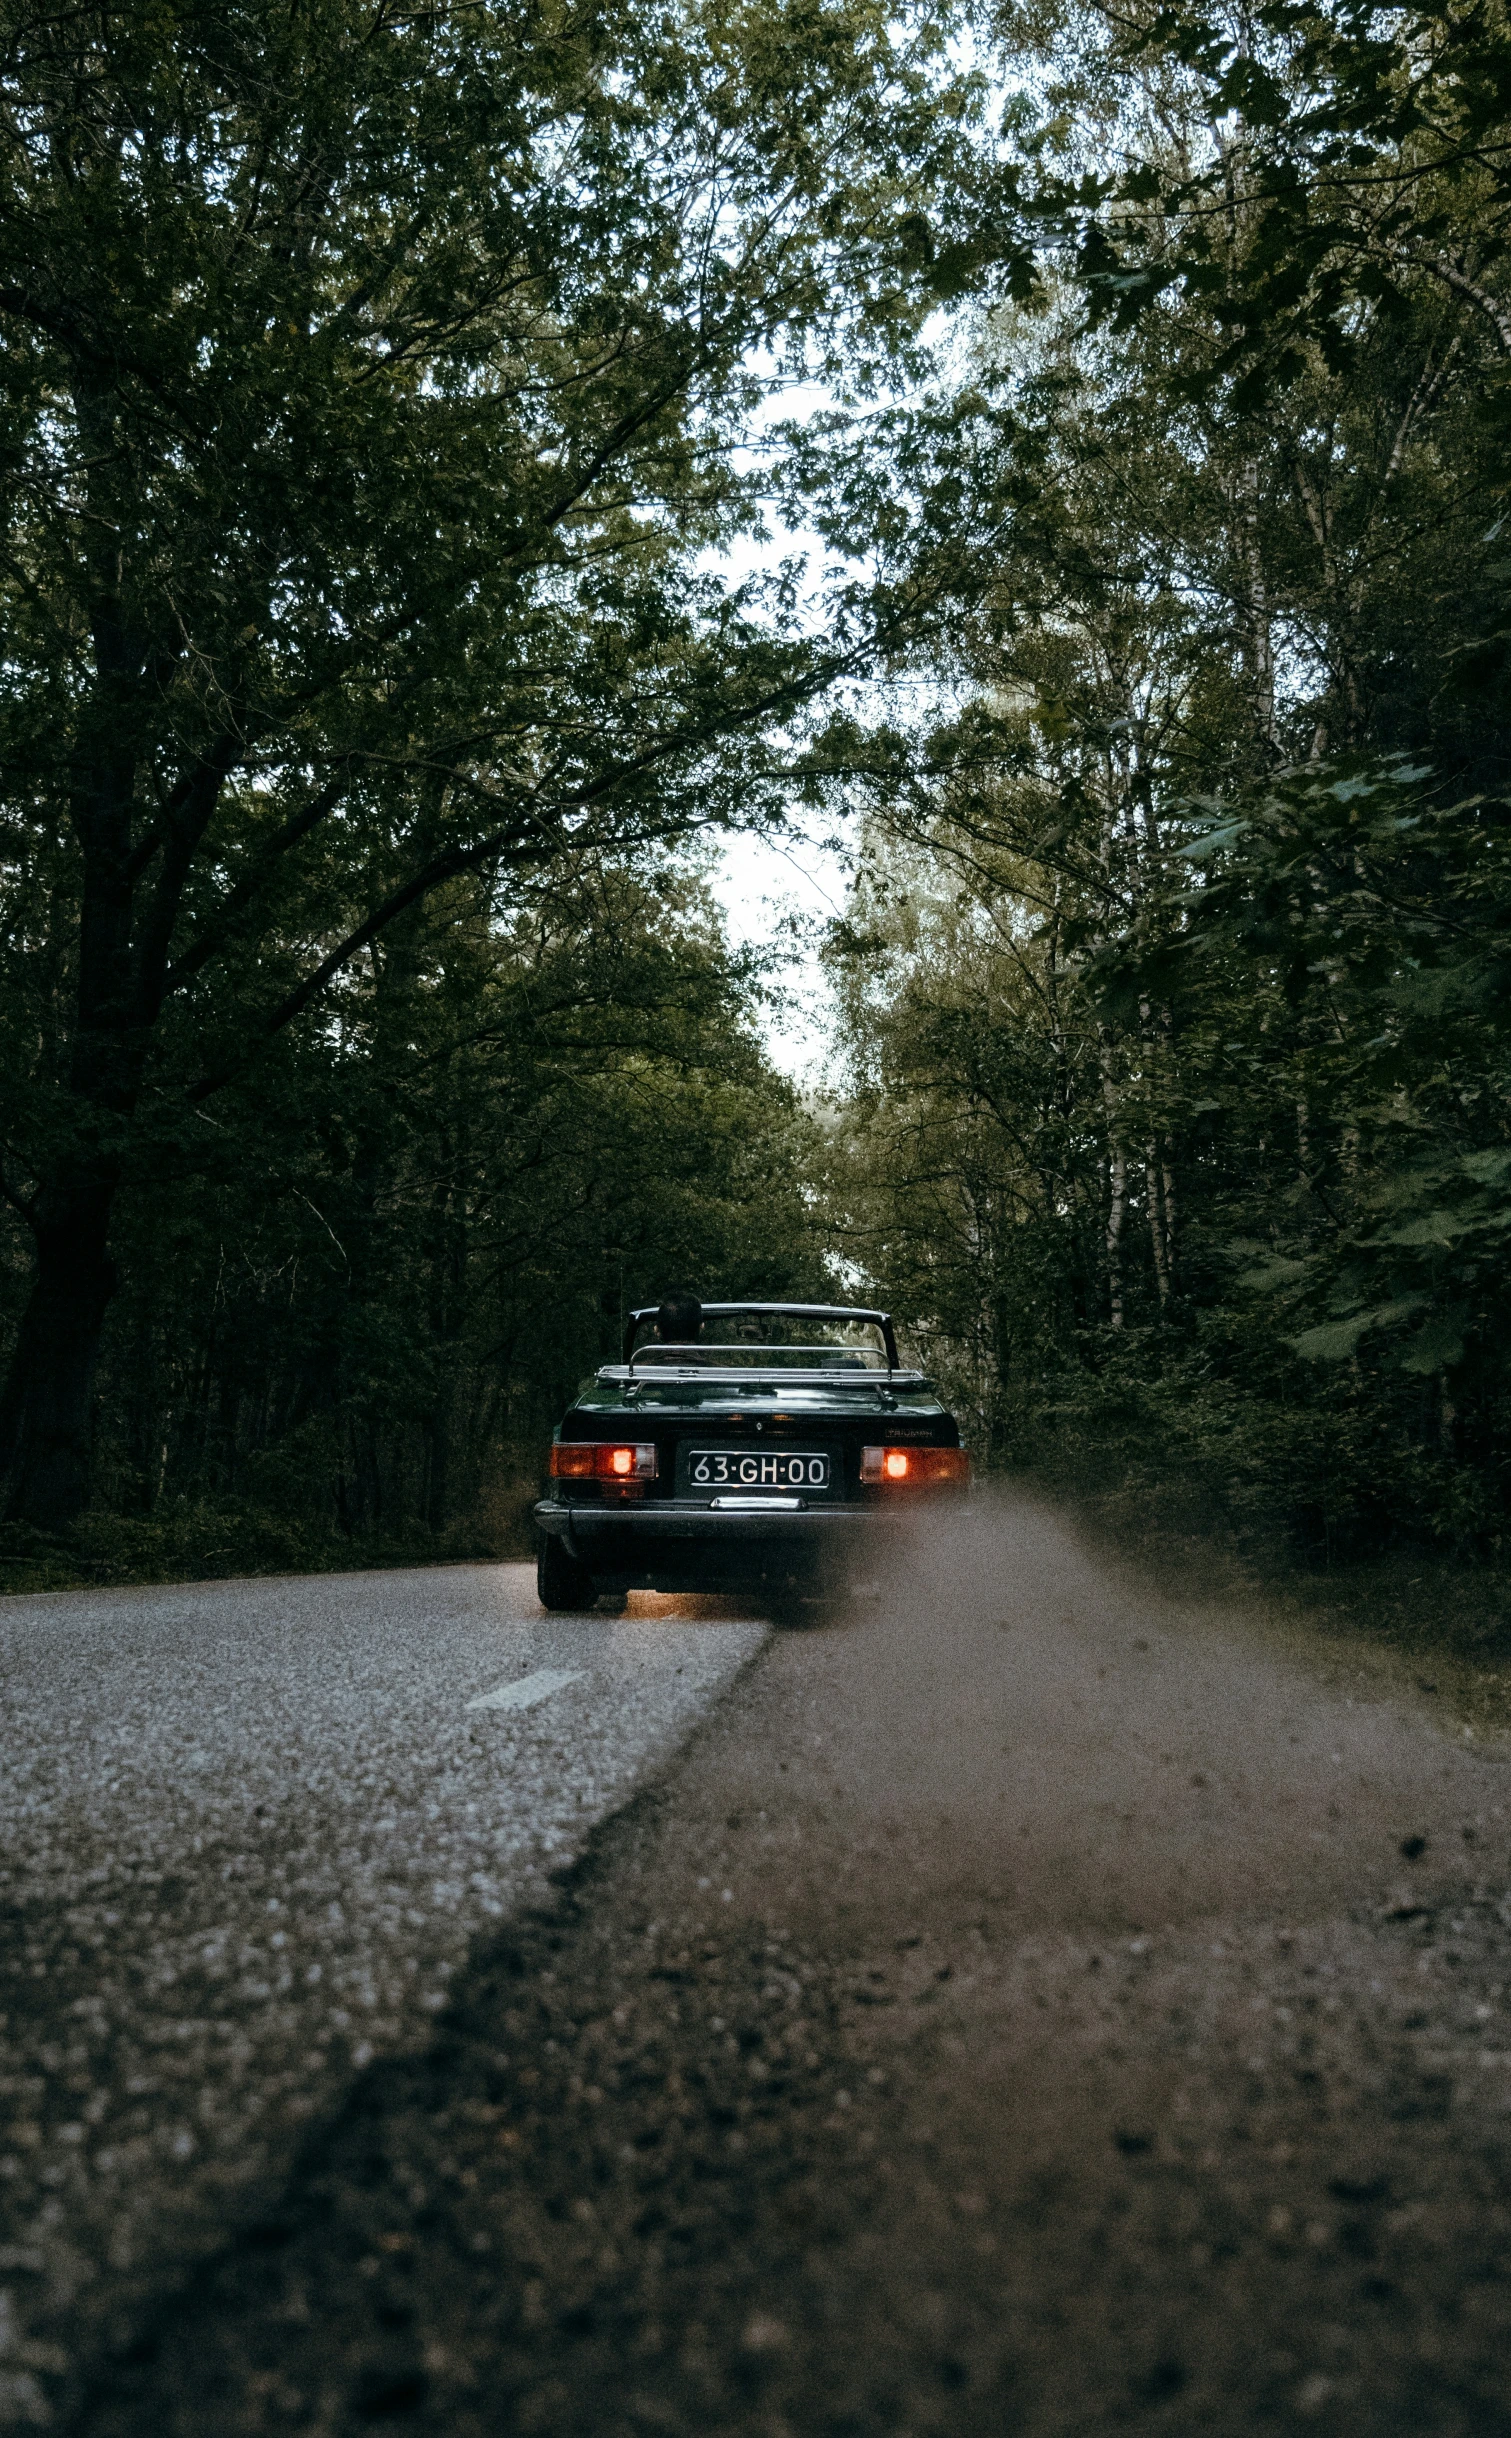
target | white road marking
x=526, y=1691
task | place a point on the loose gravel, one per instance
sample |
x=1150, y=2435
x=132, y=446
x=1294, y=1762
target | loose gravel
x=1031, y=2006
x=249, y=1833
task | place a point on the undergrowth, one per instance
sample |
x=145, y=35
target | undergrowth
x=202, y=1543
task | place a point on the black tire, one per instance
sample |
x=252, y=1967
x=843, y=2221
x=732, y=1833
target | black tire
x=560, y=1582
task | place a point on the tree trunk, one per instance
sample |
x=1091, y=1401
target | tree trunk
x=1117, y=1191
x=437, y=1483
x=1117, y=1202
x=1259, y=647
x=45, y=1415
x=1447, y=1418
x=1156, y=1224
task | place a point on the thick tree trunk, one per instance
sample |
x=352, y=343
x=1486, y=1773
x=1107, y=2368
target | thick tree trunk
x=46, y=1412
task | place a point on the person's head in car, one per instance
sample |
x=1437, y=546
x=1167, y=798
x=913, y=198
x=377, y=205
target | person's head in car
x=679, y=1319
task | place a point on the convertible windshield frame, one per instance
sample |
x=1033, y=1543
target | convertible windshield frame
x=708, y=1355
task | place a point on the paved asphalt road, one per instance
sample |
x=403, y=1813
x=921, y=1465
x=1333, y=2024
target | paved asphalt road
x=248, y=1834
x=1028, y=2006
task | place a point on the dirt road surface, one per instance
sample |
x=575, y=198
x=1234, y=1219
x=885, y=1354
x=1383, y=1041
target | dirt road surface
x=1029, y=2006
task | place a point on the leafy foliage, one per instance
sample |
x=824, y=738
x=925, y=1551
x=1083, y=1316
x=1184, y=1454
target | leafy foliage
x=1175, y=990
x=372, y=386
x=358, y=1301
x=377, y=395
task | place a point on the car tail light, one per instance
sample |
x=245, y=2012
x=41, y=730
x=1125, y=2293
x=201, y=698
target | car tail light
x=914, y=1468
x=601, y=1460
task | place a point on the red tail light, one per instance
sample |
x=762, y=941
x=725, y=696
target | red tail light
x=915, y=1468
x=601, y=1460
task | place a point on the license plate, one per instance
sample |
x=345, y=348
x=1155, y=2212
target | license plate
x=744, y=1469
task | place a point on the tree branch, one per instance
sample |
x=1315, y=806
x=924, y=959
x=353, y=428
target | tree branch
x=440, y=868
x=219, y=923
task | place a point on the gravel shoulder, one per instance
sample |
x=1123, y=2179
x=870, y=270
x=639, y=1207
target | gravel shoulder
x=1030, y=2003
x=249, y=1833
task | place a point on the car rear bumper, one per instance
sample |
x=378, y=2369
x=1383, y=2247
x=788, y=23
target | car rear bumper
x=686, y=1541
x=694, y=1519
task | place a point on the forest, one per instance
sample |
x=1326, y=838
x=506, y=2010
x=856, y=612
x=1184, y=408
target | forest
x=414, y=565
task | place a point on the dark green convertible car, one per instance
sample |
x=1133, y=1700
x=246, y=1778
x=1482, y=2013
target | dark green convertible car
x=771, y=1457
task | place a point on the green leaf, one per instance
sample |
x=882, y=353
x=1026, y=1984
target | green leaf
x=1278, y=1271
x=1434, y=1227
x=1436, y=1346
x=1334, y=1341
x=1487, y=1167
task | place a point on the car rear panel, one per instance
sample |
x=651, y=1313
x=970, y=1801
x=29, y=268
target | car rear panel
x=759, y=1433
x=724, y=1509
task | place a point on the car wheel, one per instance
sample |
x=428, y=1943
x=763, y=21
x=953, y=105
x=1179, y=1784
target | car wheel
x=560, y=1582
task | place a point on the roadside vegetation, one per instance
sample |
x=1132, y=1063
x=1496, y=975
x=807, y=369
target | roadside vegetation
x=368, y=1039
x=1175, y=985
x=374, y=386
x=349, y=1314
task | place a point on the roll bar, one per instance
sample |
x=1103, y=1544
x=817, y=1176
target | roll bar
x=798, y=1312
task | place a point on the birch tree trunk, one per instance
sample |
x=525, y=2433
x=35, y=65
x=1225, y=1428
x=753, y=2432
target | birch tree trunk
x=1152, y=1188
x=1117, y=1193
x=1167, y=1180
x=1259, y=648
x=1117, y=1174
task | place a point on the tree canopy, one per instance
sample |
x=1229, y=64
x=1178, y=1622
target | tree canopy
x=1176, y=982
x=382, y=391
x=372, y=385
